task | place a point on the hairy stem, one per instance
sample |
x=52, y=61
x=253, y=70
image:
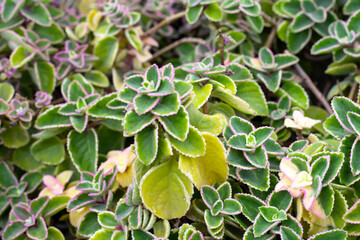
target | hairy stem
x=164, y=22
x=175, y=44
x=313, y=88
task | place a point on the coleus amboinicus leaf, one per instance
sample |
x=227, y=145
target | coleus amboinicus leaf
x=269, y=67
x=95, y=191
x=248, y=150
x=219, y=202
x=345, y=121
x=310, y=178
x=154, y=101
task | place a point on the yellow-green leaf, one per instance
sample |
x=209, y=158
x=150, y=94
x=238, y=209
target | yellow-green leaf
x=207, y=169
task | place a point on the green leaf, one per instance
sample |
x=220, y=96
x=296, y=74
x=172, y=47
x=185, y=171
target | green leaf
x=45, y=76
x=176, y=125
x=166, y=191
x=354, y=120
x=256, y=23
x=23, y=158
x=288, y=234
x=6, y=91
x=107, y=219
x=193, y=13
x=142, y=235
x=257, y=158
x=13, y=230
x=208, y=169
x=204, y=122
x=234, y=101
x=342, y=106
x=54, y=234
x=49, y=151
x=297, y=41
x=266, y=57
x=97, y=78
x=351, y=6
x=239, y=72
x=213, y=222
x=134, y=39
x=144, y=103
x=55, y=205
x=89, y=225
x=261, y=225
x=83, y=148
x=297, y=94
x=272, y=81
x=15, y=137
x=280, y=200
x=123, y=210
x=300, y=23
x=333, y=127
x=213, y=12
x=285, y=60
x=39, y=231
x=257, y=178
x=20, y=56
x=192, y=146
x=201, y=94
x=54, y=33
x=146, y=144
x=10, y=8
x=38, y=13
x=168, y=105
x=332, y=234
x=251, y=93
x=133, y=123
x=52, y=119
x=101, y=110
x=250, y=205
x=325, y=45
x=162, y=229
x=106, y=50
x=320, y=167
x=8, y=178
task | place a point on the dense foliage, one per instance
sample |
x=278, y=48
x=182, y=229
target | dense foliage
x=179, y=119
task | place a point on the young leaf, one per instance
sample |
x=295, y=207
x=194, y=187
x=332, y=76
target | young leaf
x=146, y=144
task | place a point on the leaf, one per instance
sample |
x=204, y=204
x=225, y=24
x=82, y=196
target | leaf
x=52, y=119
x=20, y=56
x=272, y=81
x=193, y=13
x=201, y=94
x=15, y=137
x=250, y=205
x=256, y=23
x=204, y=122
x=38, y=13
x=297, y=94
x=89, y=225
x=107, y=219
x=285, y=60
x=208, y=169
x=23, y=158
x=8, y=178
x=352, y=215
x=257, y=178
x=133, y=123
x=106, y=50
x=213, y=12
x=83, y=148
x=297, y=41
x=168, y=105
x=300, y=23
x=280, y=200
x=97, y=78
x=212, y=221
x=342, y=106
x=6, y=91
x=101, y=110
x=45, y=76
x=166, y=191
x=54, y=234
x=251, y=93
x=257, y=158
x=134, y=39
x=13, y=230
x=354, y=157
x=49, y=150
x=261, y=226
x=144, y=103
x=333, y=127
x=176, y=125
x=288, y=234
x=192, y=146
x=325, y=45
x=266, y=57
x=39, y=231
x=146, y=144
x=55, y=205
x=54, y=33
x=332, y=234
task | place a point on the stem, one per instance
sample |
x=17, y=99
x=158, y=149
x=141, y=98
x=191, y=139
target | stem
x=164, y=22
x=175, y=44
x=353, y=89
x=269, y=19
x=339, y=88
x=313, y=88
x=271, y=37
x=221, y=46
x=299, y=134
